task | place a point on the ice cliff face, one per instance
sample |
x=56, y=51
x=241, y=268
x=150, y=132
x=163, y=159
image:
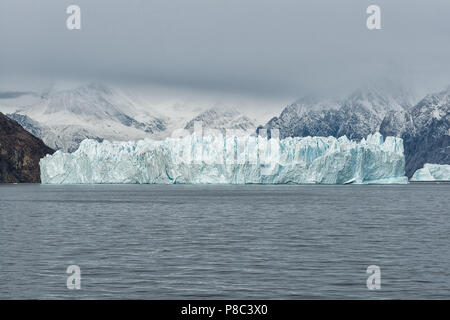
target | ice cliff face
x=432, y=172
x=230, y=159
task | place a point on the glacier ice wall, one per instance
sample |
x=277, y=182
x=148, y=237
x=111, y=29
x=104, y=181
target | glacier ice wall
x=432, y=172
x=201, y=159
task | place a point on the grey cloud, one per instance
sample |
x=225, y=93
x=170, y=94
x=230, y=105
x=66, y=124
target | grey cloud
x=260, y=47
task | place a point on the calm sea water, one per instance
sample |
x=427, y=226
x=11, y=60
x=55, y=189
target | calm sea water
x=225, y=242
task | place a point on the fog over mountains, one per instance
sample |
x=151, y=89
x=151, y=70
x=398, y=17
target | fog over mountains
x=355, y=115
x=62, y=118
x=425, y=130
x=424, y=126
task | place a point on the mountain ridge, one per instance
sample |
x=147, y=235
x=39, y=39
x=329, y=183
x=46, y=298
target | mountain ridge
x=424, y=126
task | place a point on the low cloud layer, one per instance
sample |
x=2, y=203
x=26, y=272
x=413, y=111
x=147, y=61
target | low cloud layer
x=264, y=48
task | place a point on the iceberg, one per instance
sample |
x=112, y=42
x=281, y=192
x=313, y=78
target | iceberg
x=230, y=159
x=432, y=172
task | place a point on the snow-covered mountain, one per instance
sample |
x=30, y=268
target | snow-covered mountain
x=308, y=116
x=63, y=118
x=397, y=123
x=363, y=111
x=424, y=126
x=221, y=118
x=94, y=103
x=428, y=139
x=35, y=128
x=354, y=116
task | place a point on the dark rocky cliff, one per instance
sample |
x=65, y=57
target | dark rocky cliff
x=20, y=153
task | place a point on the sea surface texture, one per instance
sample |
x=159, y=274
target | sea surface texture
x=225, y=241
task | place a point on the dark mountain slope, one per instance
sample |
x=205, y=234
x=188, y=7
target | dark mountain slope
x=20, y=153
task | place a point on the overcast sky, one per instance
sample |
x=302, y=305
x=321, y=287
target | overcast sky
x=264, y=48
